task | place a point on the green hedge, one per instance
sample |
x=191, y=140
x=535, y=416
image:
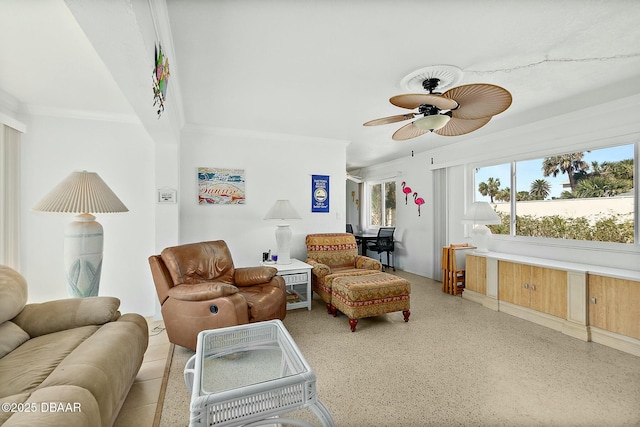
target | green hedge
x=611, y=229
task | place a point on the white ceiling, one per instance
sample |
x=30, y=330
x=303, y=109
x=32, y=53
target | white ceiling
x=317, y=68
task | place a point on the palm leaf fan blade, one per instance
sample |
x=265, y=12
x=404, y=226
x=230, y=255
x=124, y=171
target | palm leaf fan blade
x=408, y=131
x=479, y=100
x=457, y=126
x=414, y=100
x=390, y=119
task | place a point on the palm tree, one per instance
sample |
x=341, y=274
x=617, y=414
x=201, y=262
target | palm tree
x=489, y=188
x=569, y=163
x=620, y=170
x=504, y=195
x=602, y=186
x=540, y=189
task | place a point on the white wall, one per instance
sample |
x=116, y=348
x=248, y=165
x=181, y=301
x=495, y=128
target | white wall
x=276, y=167
x=414, y=233
x=123, y=156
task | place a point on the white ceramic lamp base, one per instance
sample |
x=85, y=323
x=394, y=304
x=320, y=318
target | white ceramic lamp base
x=480, y=236
x=83, y=243
x=283, y=239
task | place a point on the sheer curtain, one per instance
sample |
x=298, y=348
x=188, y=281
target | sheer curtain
x=10, y=196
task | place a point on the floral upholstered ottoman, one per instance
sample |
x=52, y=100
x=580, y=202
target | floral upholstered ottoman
x=370, y=295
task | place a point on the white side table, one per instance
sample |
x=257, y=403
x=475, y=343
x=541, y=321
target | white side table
x=297, y=277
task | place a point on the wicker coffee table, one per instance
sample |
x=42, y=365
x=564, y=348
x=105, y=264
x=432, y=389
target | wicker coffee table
x=246, y=375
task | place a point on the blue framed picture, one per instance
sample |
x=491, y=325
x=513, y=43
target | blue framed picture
x=319, y=193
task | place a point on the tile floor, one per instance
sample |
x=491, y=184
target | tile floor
x=139, y=409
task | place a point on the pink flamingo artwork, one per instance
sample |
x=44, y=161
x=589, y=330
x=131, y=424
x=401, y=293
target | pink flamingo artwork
x=419, y=201
x=406, y=190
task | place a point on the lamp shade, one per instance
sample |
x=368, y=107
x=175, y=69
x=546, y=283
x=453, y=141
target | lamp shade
x=432, y=122
x=481, y=213
x=282, y=209
x=81, y=192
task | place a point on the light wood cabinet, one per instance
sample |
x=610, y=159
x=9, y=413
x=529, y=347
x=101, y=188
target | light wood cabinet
x=476, y=274
x=538, y=288
x=613, y=305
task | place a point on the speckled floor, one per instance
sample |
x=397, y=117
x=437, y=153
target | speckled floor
x=454, y=363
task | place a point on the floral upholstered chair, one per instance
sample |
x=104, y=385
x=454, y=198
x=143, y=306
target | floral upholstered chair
x=335, y=255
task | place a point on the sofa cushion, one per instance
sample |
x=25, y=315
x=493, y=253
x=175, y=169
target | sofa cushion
x=11, y=337
x=53, y=316
x=26, y=367
x=13, y=293
x=202, y=291
x=105, y=364
x=16, y=398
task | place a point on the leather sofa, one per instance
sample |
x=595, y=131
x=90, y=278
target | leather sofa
x=334, y=255
x=199, y=289
x=66, y=362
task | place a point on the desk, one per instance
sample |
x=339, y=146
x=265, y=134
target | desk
x=364, y=238
x=248, y=374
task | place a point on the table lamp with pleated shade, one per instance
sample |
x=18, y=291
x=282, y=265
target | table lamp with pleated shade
x=83, y=193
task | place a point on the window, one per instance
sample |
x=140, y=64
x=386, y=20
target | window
x=580, y=195
x=493, y=186
x=382, y=204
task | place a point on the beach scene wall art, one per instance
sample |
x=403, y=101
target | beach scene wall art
x=221, y=186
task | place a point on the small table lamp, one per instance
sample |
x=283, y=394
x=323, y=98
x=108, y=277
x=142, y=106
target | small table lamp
x=283, y=210
x=82, y=193
x=480, y=214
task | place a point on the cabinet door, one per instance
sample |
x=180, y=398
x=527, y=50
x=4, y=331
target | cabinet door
x=617, y=305
x=512, y=278
x=476, y=274
x=549, y=291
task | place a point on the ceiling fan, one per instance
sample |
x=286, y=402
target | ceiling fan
x=457, y=111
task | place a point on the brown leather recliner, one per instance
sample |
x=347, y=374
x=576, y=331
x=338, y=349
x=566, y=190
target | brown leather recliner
x=199, y=289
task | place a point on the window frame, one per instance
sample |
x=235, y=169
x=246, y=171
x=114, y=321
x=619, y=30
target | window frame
x=583, y=244
x=367, y=191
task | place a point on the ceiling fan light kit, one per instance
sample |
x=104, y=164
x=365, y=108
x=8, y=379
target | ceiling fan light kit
x=431, y=123
x=457, y=111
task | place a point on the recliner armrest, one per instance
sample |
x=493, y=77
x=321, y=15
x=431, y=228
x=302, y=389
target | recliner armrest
x=249, y=276
x=202, y=291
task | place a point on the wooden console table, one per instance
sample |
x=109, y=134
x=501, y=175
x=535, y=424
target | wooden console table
x=591, y=303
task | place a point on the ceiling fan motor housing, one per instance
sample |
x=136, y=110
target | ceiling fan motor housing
x=431, y=84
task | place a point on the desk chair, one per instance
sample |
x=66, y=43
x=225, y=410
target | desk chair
x=383, y=243
x=350, y=231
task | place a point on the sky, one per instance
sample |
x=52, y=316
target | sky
x=529, y=170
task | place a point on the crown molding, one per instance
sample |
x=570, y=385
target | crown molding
x=39, y=110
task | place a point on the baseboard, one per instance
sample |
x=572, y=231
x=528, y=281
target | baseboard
x=473, y=296
x=534, y=316
x=576, y=330
x=488, y=302
x=617, y=341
